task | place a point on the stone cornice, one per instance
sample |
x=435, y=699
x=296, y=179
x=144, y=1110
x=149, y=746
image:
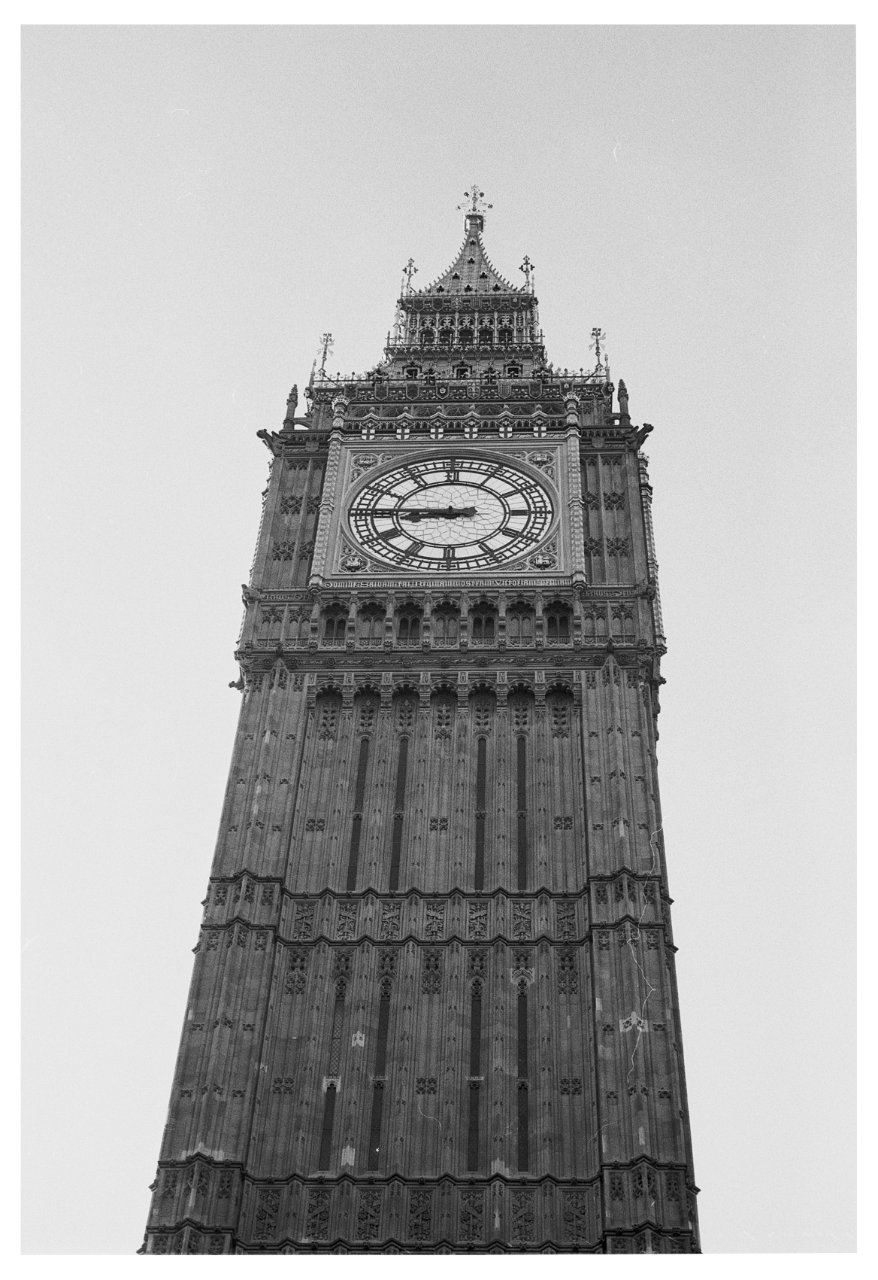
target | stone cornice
x=466, y=1180
x=583, y=939
x=425, y=585
x=526, y=895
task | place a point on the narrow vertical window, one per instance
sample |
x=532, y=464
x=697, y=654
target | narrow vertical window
x=325, y=1157
x=328, y=1120
x=523, y=1125
x=398, y=813
x=379, y=1076
x=521, y=807
x=481, y=771
x=357, y=823
x=475, y=1061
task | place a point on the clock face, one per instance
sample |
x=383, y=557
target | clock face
x=451, y=513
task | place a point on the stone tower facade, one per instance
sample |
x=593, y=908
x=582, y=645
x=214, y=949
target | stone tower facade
x=434, y=1006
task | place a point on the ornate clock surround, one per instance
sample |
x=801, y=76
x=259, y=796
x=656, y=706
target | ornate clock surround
x=360, y=463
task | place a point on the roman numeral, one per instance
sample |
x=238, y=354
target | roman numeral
x=385, y=536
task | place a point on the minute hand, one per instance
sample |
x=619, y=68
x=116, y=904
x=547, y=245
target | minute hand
x=428, y=513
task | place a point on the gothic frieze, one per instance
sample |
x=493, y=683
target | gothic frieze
x=617, y=1210
x=433, y=670
x=631, y=907
x=430, y=918
x=422, y=1215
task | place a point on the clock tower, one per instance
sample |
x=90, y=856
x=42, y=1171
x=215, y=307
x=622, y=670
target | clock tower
x=434, y=1007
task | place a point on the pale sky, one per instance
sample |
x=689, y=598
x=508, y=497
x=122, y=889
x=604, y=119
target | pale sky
x=200, y=204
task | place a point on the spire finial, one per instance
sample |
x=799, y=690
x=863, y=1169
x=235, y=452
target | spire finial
x=408, y=271
x=326, y=344
x=476, y=199
x=528, y=268
x=599, y=336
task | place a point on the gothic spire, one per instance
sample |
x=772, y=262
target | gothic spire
x=472, y=270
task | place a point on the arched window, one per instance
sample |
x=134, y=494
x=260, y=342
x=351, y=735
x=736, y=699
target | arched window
x=370, y=624
x=482, y=625
x=623, y=620
x=486, y=336
x=408, y=626
x=445, y=624
x=298, y=626
x=520, y=625
x=428, y=337
x=446, y=333
x=461, y=371
x=558, y=624
x=466, y=335
x=334, y=621
x=505, y=335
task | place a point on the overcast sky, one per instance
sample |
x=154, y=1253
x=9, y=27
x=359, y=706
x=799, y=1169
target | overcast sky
x=200, y=204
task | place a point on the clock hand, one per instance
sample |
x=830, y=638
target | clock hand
x=441, y=513
x=425, y=513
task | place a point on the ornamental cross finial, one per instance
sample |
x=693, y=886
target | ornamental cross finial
x=528, y=268
x=408, y=271
x=599, y=336
x=476, y=200
x=326, y=344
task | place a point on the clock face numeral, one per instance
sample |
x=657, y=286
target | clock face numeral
x=452, y=514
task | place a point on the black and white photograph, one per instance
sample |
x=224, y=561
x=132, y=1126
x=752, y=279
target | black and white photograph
x=438, y=531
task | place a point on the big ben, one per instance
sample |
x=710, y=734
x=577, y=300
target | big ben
x=434, y=1006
